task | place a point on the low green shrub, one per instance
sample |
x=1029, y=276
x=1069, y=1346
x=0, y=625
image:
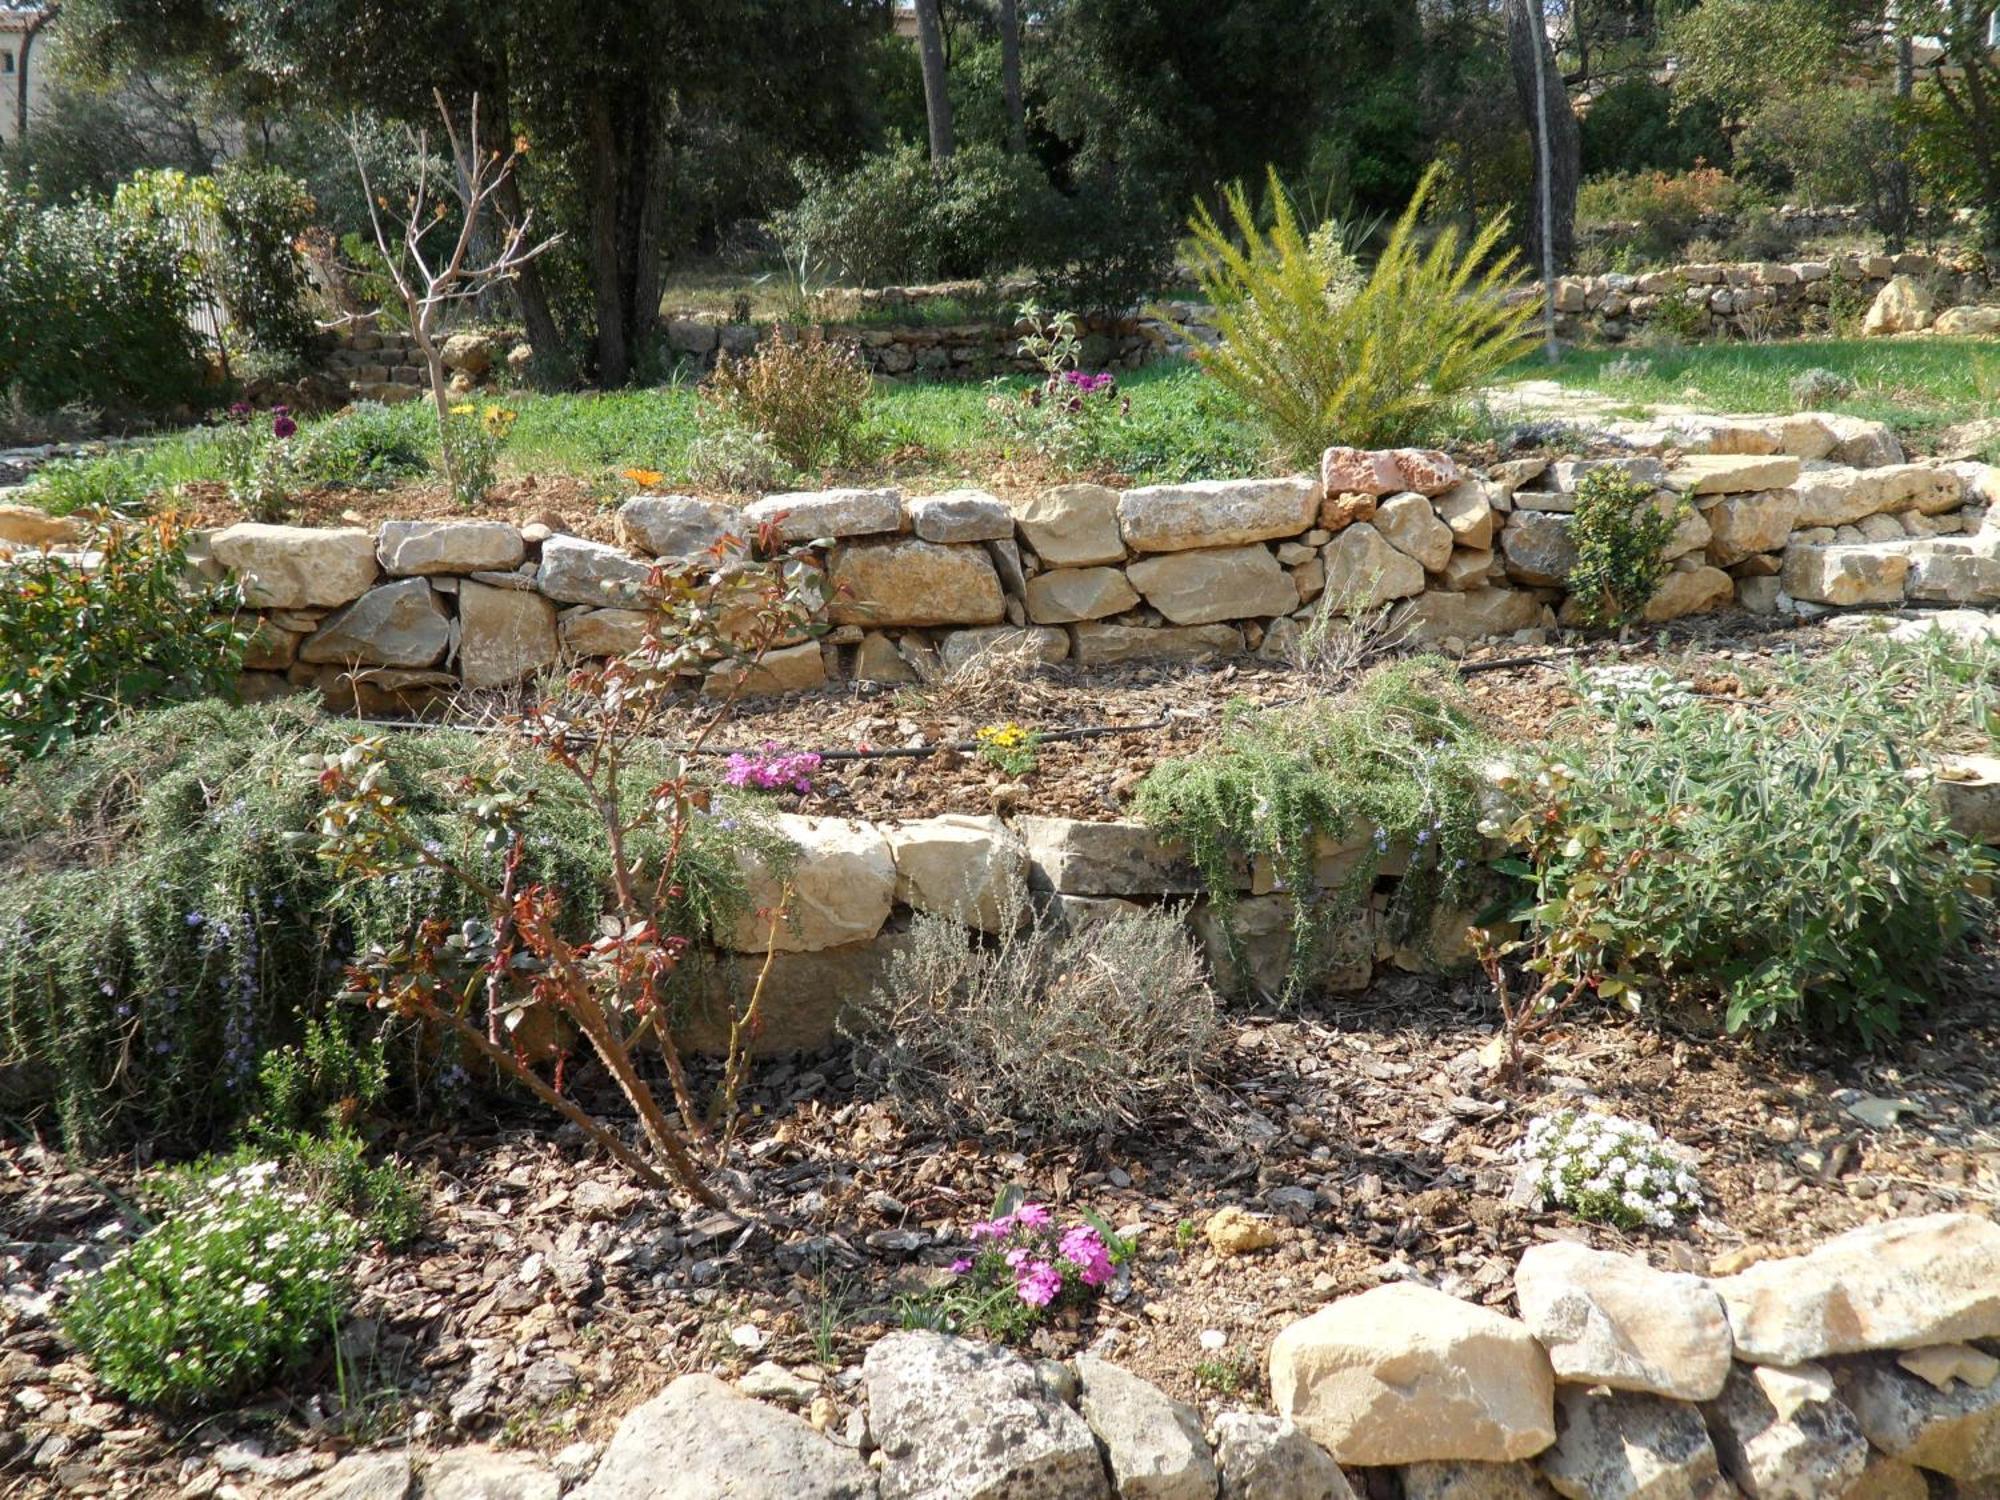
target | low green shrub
x=1620, y=534
x=95, y=309
x=116, y=484
x=80, y=647
x=369, y=445
x=168, y=928
x=1371, y=369
x=1777, y=855
x=1075, y=1033
x=1657, y=213
x=242, y=1284
x=1072, y=417
x=1395, y=763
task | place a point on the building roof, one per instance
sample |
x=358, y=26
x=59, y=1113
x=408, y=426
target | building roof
x=21, y=17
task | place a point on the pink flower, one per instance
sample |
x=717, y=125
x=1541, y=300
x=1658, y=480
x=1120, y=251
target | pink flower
x=1037, y=1283
x=960, y=1266
x=991, y=1229
x=1084, y=1248
x=1032, y=1216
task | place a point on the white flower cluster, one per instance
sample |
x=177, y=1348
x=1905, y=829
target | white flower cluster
x=1603, y=1167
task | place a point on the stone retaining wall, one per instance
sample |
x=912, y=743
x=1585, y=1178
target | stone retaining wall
x=1752, y=299
x=970, y=351
x=1784, y=513
x=1863, y=1370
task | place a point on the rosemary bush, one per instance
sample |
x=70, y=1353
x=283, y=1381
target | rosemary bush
x=166, y=932
x=1396, y=760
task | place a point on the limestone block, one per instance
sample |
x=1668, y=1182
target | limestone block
x=1205, y=587
x=830, y=514
x=1072, y=526
x=1213, y=513
x=296, y=567
x=504, y=635
x=1612, y=1320
x=971, y=868
x=1408, y=524
x=1062, y=596
x=912, y=582
x=842, y=884
x=400, y=624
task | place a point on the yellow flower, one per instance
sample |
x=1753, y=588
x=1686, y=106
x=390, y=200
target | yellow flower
x=1007, y=736
x=462, y=409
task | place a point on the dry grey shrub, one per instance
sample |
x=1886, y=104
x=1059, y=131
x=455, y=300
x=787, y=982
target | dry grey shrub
x=996, y=681
x=1073, y=1032
x=1340, y=643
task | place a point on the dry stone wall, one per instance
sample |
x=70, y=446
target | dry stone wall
x=1618, y=1381
x=1798, y=513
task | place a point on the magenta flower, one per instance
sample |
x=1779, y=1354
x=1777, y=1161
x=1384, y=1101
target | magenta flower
x=991, y=1229
x=239, y=411
x=282, y=426
x=1037, y=1283
x=772, y=769
x=1084, y=1248
x=1032, y=1216
x=960, y=1266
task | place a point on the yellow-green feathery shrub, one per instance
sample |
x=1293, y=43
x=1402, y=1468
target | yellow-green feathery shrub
x=1367, y=368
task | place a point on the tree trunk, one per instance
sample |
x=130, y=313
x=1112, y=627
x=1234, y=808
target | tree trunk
x=614, y=356
x=937, y=100
x=1010, y=75
x=21, y=96
x=1901, y=209
x=531, y=292
x=1552, y=128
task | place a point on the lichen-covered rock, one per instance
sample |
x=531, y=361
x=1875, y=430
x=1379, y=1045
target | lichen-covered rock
x=971, y=868
x=1631, y=1447
x=1154, y=1444
x=1063, y=596
x=1471, y=615
x=961, y=1421
x=1453, y=1481
x=1207, y=587
x=842, y=884
x=504, y=635
x=1954, y=570
x=1404, y=1374
x=1363, y=572
x=813, y=515
x=1783, y=1434
x=1215, y=513
x=1900, y=1284
x=961, y=516
x=1955, y=1431
x=914, y=582
x=679, y=528
x=603, y=632
x=576, y=571
x=1408, y=524
x=1846, y=575
x=399, y=624
x=698, y=1440
x=1266, y=1458
x=1081, y=858
x=296, y=567
x=1613, y=1320
x=407, y=548
x=1072, y=526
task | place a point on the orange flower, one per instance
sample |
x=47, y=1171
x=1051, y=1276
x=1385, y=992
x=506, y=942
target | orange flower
x=644, y=478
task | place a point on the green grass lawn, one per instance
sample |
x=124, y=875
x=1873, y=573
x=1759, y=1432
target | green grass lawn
x=1919, y=386
x=1180, y=427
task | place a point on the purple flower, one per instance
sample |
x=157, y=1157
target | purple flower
x=991, y=1229
x=1084, y=1248
x=239, y=411
x=960, y=1266
x=282, y=426
x=1032, y=1216
x=771, y=769
x=1037, y=1283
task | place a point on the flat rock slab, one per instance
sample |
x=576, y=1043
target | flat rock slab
x=1072, y=526
x=1785, y=1434
x=961, y=1421
x=576, y=571
x=1208, y=587
x=961, y=516
x=1267, y=1458
x=1629, y=1447
x=1216, y=513
x=1732, y=473
x=971, y=868
x=399, y=624
x=296, y=567
x=830, y=514
x=841, y=884
x=1955, y=1431
x=908, y=582
x=1154, y=1443
x=677, y=527
x=1901, y=1284
x=504, y=635
x=700, y=1440
x=407, y=548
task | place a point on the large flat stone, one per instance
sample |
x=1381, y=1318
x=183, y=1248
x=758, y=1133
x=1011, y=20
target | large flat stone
x=700, y=1440
x=961, y=516
x=841, y=886
x=1072, y=526
x=679, y=528
x=956, y=865
x=806, y=997
x=1216, y=513
x=1693, y=591
x=1205, y=588
x=963, y=1421
x=296, y=567
x=603, y=632
x=1098, y=643
x=1537, y=548
x=1404, y=1374
x=1841, y=496
x=1955, y=1432
x=1043, y=643
x=1900, y=1284
x=426, y=547
x=1732, y=473
x=1475, y=614
x=1456, y=1481
x=813, y=515
x=504, y=635
x=1613, y=1320
x=576, y=571
x=1408, y=524
x=1743, y=524
x=1266, y=1458
x=914, y=582
x=399, y=624
x=1079, y=858
x=787, y=669
x=1846, y=574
